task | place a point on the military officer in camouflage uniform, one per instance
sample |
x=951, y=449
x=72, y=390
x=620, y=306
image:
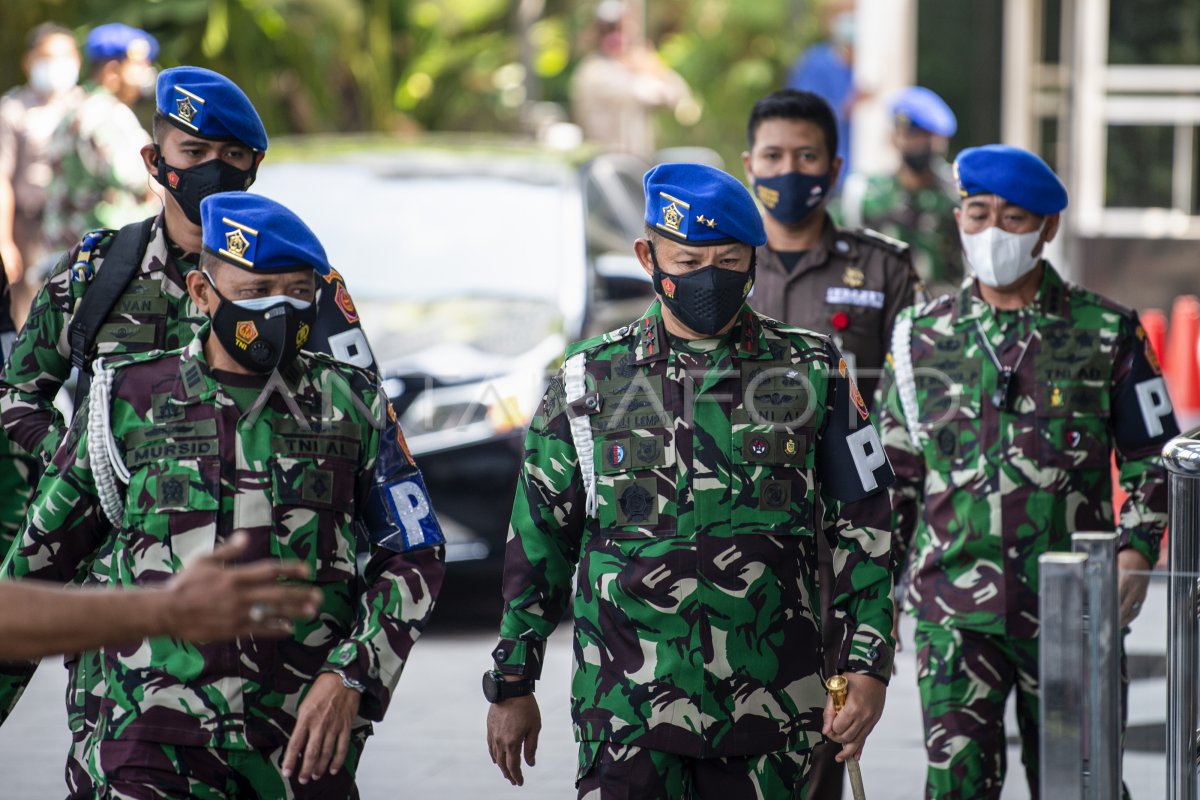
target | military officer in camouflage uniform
x=243, y=429
x=208, y=137
x=1004, y=404
x=916, y=202
x=681, y=469
x=99, y=181
x=848, y=284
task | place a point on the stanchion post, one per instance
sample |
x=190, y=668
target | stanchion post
x=1062, y=583
x=1182, y=459
x=1102, y=634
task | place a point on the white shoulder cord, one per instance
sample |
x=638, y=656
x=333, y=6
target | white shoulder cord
x=575, y=383
x=108, y=469
x=906, y=383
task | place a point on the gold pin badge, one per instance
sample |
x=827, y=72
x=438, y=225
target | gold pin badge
x=854, y=277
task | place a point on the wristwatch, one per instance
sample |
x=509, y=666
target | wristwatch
x=349, y=682
x=495, y=688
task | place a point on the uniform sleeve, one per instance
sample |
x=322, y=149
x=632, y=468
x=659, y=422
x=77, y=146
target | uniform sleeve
x=544, y=537
x=404, y=571
x=853, y=475
x=907, y=461
x=902, y=290
x=39, y=364
x=1143, y=421
x=63, y=530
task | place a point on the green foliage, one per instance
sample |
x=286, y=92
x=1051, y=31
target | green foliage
x=388, y=65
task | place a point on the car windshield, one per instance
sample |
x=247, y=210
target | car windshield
x=418, y=233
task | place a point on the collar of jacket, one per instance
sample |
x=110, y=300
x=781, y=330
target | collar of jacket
x=833, y=239
x=650, y=343
x=1053, y=299
x=197, y=385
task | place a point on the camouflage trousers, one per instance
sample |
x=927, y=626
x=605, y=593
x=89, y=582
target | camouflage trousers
x=965, y=678
x=136, y=770
x=624, y=772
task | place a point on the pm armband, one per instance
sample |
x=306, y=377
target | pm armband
x=399, y=516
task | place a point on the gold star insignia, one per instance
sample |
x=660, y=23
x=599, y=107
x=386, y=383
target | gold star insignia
x=710, y=222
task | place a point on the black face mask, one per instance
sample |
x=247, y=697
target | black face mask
x=705, y=299
x=792, y=196
x=262, y=339
x=919, y=160
x=190, y=186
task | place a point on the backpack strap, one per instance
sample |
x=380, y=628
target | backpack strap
x=121, y=263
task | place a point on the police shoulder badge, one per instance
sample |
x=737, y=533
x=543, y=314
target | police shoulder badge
x=345, y=304
x=857, y=397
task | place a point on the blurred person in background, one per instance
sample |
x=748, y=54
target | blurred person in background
x=99, y=180
x=915, y=203
x=621, y=82
x=849, y=285
x=827, y=69
x=29, y=115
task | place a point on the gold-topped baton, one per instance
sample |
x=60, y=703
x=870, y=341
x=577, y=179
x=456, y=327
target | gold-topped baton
x=837, y=686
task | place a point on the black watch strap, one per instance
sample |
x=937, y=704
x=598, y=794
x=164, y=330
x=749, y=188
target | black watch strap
x=496, y=689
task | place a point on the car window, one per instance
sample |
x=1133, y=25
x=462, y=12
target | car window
x=614, y=203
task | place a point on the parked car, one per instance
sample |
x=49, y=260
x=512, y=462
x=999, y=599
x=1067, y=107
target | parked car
x=471, y=265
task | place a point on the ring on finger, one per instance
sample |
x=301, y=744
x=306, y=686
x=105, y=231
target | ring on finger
x=259, y=612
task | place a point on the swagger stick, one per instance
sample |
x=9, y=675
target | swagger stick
x=837, y=686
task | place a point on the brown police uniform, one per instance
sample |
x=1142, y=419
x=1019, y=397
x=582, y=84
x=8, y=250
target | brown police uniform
x=852, y=286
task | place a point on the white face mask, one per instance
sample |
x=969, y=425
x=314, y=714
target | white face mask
x=260, y=303
x=1000, y=258
x=51, y=76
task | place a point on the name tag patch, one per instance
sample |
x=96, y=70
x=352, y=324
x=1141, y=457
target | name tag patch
x=845, y=296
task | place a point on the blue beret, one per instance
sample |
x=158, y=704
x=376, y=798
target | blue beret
x=1017, y=175
x=209, y=105
x=701, y=205
x=922, y=108
x=118, y=41
x=256, y=233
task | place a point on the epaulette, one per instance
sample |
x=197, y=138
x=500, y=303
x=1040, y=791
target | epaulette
x=596, y=341
x=934, y=305
x=128, y=359
x=89, y=247
x=811, y=339
x=877, y=239
x=361, y=379
x=1077, y=293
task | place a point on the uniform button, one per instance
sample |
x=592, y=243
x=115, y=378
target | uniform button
x=872, y=654
x=623, y=330
x=842, y=246
x=591, y=401
x=501, y=654
x=373, y=672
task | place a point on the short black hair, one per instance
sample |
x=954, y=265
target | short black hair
x=794, y=104
x=159, y=126
x=43, y=32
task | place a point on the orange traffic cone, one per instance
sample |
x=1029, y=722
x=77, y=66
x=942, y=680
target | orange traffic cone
x=1183, y=379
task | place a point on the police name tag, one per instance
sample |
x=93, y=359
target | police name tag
x=845, y=296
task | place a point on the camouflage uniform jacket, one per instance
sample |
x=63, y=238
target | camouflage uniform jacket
x=923, y=218
x=154, y=313
x=697, y=625
x=298, y=473
x=99, y=180
x=997, y=488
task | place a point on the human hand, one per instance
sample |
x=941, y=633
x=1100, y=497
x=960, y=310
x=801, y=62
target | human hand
x=14, y=264
x=1131, y=588
x=856, y=720
x=512, y=724
x=321, y=737
x=209, y=601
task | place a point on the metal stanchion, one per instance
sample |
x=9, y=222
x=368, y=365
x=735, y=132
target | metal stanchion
x=1102, y=629
x=1062, y=584
x=1182, y=459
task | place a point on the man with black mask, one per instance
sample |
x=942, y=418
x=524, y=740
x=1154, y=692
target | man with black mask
x=682, y=469
x=916, y=202
x=848, y=284
x=125, y=291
